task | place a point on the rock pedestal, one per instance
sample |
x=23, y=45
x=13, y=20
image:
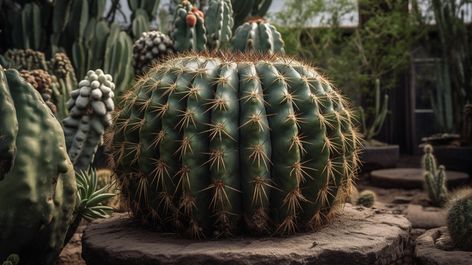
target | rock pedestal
x=357, y=236
x=435, y=247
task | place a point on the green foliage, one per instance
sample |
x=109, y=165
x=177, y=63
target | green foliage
x=90, y=109
x=37, y=183
x=434, y=178
x=459, y=222
x=258, y=36
x=366, y=198
x=368, y=131
x=205, y=143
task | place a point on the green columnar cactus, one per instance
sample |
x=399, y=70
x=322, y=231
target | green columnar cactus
x=459, y=222
x=188, y=33
x=434, y=177
x=381, y=110
x=37, y=183
x=206, y=142
x=64, y=81
x=42, y=82
x=219, y=23
x=90, y=110
x=259, y=36
x=249, y=8
x=150, y=48
x=27, y=30
x=366, y=198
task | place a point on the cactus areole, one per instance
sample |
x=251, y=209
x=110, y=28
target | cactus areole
x=218, y=145
x=37, y=182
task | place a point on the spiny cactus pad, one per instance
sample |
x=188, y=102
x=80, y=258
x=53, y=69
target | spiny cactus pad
x=259, y=36
x=206, y=143
x=37, y=183
x=459, y=222
x=90, y=110
x=151, y=47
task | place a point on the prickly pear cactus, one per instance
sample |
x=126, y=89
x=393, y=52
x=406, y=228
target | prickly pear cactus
x=90, y=110
x=37, y=182
x=434, y=177
x=42, y=82
x=151, y=47
x=459, y=222
x=26, y=59
x=188, y=33
x=219, y=23
x=205, y=143
x=259, y=36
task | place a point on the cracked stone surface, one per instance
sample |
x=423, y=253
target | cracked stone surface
x=435, y=247
x=358, y=236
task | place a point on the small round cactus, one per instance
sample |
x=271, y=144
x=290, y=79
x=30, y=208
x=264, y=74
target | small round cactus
x=90, y=109
x=366, y=198
x=152, y=46
x=218, y=145
x=459, y=222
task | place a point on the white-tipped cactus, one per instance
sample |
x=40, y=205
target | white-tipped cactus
x=152, y=46
x=90, y=109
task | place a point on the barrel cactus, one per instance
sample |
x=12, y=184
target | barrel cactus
x=37, y=183
x=152, y=46
x=459, y=222
x=188, y=30
x=90, y=110
x=259, y=36
x=212, y=146
x=434, y=177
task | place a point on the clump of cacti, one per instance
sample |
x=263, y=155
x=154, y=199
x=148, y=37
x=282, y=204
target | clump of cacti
x=434, y=177
x=151, y=47
x=459, y=222
x=41, y=81
x=12, y=259
x=219, y=23
x=259, y=36
x=90, y=109
x=37, y=183
x=26, y=59
x=205, y=143
x=366, y=198
x=189, y=32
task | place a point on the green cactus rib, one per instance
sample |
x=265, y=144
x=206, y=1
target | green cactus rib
x=206, y=145
x=259, y=36
x=459, y=220
x=188, y=37
x=37, y=183
x=434, y=177
x=219, y=23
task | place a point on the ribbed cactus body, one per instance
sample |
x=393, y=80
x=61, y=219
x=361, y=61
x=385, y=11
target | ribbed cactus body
x=219, y=23
x=259, y=36
x=434, y=178
x=188, y=33
x=63, y=82
x=459, y=222
x=26, y=59
x=207, y=145
x=90, y=110
x=150, y=48
x=37, y=183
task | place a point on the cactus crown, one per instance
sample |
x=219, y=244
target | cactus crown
x=210, y=145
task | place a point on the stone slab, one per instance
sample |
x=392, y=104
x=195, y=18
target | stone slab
x=358, y=236
x=434, y=247
x=426, y=217
x=411, y=178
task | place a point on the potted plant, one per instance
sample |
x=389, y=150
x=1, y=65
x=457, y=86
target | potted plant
x=376, y=154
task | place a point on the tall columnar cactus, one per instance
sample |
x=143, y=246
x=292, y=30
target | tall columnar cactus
x=188, y=33
x=150, y=48
x=206, y=142
x=63, y=82
x=434, y=177
x=259, y=36
x=37, y=183
x=89, y=115
x=381, y=110
x=219, y=23
x=42, y=82
x=459, y=222
x=142, y=12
